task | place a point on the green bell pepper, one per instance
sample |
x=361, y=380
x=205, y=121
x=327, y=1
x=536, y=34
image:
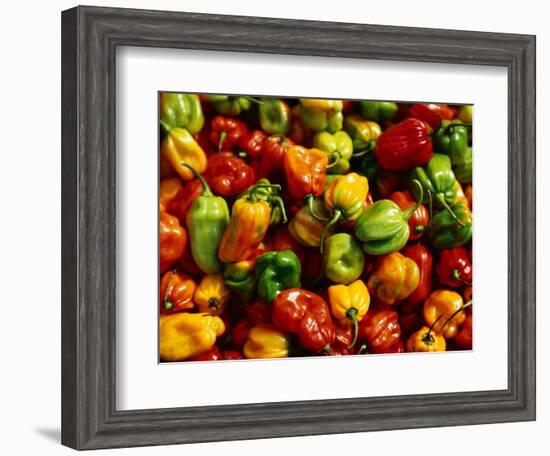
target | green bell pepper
x=178, y=110
x=378, y=110
x=274, y=116
x=445, y=233
x=264, y=190
x=277, y=271
x=452, y=139
x=343, y=260
x=321, y=115
x=463, y=167
x=229, y=106
x=239, y=277
x=206, y=221
x=338, y=147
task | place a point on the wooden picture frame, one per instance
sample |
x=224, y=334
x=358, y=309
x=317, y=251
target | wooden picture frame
x=90, y=37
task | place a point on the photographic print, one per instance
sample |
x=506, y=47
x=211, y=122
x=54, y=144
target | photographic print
x=313, y=227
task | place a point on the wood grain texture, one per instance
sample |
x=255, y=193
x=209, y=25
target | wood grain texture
x=89, y=40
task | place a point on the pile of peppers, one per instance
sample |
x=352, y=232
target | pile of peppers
x=313, y=227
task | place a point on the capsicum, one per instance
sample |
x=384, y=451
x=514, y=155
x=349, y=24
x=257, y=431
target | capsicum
x=381, y=330
x=264, y=190
x=305, y=171
x=226, y=132
x=322, y=115
x=463, y=339
x=338, y=147
x=264, y=341
x=378, y=110
x=172, y=240
x=228, y=175
x=306, y=228
x=423, y=259
x=418, y=221
x=274, y=116
x=363, y=133
x=454, y=268
x=211, y=294
x=275, y=272
x=179, y=148
x=176, y=292
x=228, y=105
x=178, y=110
x=443, y=230
x=274, y=150
x=240, y=278
x=343, y=260
x=444, y=311
x=307, y=315
x=424, y=340
x=184, y=199
x=452, y=139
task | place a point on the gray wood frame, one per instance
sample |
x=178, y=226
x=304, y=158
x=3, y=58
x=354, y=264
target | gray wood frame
x=89, y=38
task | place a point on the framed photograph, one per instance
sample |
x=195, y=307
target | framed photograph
x=276, y=228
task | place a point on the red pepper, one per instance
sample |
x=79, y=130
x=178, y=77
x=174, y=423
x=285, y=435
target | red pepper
x=184, y=199
x=283, y=240
x=409, y=322
x=239, y=334
x=258, y=312
x=307, y=315
x=312, y=264
x=398, y=347
x=209, y=355
x=187, y=263
x=454, y=268
x=231, y=354
x=228, y=175
x=273, y=155
x=253, y=144
x=387, y=183
x=418, y=221
x=404, y=146
x=380, y=329
x=423, y=259
x=226, y=132
x=342, y=340
x=463, y=339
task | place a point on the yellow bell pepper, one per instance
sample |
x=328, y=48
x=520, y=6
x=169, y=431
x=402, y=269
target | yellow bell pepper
x=425, y=340
x=444, y=311
x=264, y=341
x=349, y=304
x=179, y=148
x=183, y=334
x=212, y=294
x=394, y=279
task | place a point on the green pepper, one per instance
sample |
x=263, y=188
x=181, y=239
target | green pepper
x=206, y=222
x=274, y=116
x=383, y=226
x=277, y=271
x=229, y=106
x=178, y=110
x=378, y=110
x=338, y=147
x=239, y=277
x=452, y=139
x=445, y=233
x=370, y=168
x=263, y=189
x=463, y=167
x=343, y=260
x=320, y=115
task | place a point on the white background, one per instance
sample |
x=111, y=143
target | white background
x=30, y=232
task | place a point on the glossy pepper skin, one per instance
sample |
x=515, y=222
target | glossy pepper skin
x=228, y=105
x=168, y=189
x=264, y=341
x=274, y=116
x=265, y=190
x=176, y=292
x=349, y=304
x=452, y=139
x=307, y=315
x=183, y=335
x=172, y=240
x=275, y=272
x=343, y=260
x=306, y=228
x=246, y=229
x=404, y=146
x=381, y=330
x=363, y=133
x=274, y=151
x=178, y=110
x=424, y=260
x=320, y=115
x=454, y=268
x=180, y=148
x=226, y=132
x=425, y=340
x=418, y=221
x=338, y=147
x=211, y=294
x=394, y=278
x=378, y=110
x=445, y=233
x=240, y=279
x=184, y=199
x=228, y=175
x=206, y=222
x=431, y=113
x=463, y=339
x=443, y=311
x=253, y=144
x=305, y=171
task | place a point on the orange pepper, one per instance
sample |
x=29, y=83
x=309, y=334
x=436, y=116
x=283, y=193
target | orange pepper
x=176, y=292
x=306, y=171
x=394, y=278
x=443, y=311
x=425, y=340
x=212, y=294
x=173, y=239
x=168, y=189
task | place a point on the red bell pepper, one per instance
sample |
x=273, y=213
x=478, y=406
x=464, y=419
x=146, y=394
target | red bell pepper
x=307, y=315
x=342, y=340
x=188, y=264
x=226, y=132
x=273, y=154
x=423, y=259
x=312, y=265
x=253, y=144
x=463, y=339
x=228, y=175
x=404, y=146
x=184, y=199
x=239, y=334
x=213, y=354
x=454, y=268
x=381, y=330
x=418, y=221
x=258, y=312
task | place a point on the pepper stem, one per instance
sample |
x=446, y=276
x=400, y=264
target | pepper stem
x=334, y=159
x=431, y=202
x=352, y=315
x=441, y=199
x=370, y=147
x=309, y=200
x=362, y=349
x=223, y=135
x=165, y=127
x=428, y=338
x=410, y=211
x=455, y=313
x=455, y=274
x=253, y=100
x=168, y=305
x=337, y=216
x=280, y=203
x=205, y=188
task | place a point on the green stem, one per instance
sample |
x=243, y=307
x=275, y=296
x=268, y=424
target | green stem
x=165, y=127
x=223, y=135
x=253, y=100
x=334, y=159
x=409, y=212
x=428, y=338
x=441, y=199
x=337, y=216
x=455, y=274
x=370, y=147
x=431, y=202
x=309, y=200
x=279, y=202
x=205, y=188
x=455, y=313
x=362, y=349
x=352, y=315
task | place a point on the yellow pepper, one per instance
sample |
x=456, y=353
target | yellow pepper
x=349, y=304
x=394, y=279
x=425, y=340
x=182, y=335
x=246, y=229
x=443, y=311
x=168, y=189
x=212, y=294
x=307, y=229
x=264, y=341
x=460, y=197
x=180, y=148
